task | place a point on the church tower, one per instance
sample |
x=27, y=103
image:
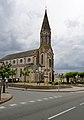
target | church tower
x=45, y=34
x=45, y=51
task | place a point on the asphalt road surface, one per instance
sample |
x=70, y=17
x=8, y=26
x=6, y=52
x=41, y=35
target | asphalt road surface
x=28, y=105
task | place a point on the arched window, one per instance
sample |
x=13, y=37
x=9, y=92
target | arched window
x=49, y=76
x=20, y=72
x=46, y=39
x=21, y=60
x=49, y=62
x=13, y=61
x=42, y=59
x=6, y=62
x=29, y=59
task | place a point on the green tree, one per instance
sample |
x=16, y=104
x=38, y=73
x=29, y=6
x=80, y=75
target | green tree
x=12, y=73
x=68, y=76
x=4, y=73
x=74, y=76
x=25, y=73
x=81, y=74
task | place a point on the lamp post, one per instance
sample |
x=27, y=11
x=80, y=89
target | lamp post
x=40, y=71
x=58, y=75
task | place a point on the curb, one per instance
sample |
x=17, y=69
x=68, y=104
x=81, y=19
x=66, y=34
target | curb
x=39, y=90
x=52, y=91
x=3, y=101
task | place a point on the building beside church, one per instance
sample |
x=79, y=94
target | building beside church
x=39, y=61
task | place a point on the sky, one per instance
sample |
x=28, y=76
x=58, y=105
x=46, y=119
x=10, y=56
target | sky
x=20, y=25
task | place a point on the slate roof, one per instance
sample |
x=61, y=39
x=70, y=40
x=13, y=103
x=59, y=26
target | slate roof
x=45, y=24
x=19, y=55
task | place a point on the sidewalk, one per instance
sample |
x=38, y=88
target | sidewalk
x=5, y=97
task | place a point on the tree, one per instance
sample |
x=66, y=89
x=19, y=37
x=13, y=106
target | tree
x=12, y=73
x=25, y=73
x=68, y=75
x=4, y=73
x=74, y=75
x=81, y=74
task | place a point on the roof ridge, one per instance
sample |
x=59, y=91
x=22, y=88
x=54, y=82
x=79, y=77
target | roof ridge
x=19, y=55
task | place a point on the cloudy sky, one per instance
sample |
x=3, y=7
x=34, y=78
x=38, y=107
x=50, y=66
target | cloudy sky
x=20, y=25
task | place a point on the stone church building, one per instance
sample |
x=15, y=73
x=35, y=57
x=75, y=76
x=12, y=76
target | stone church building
x=40, y=62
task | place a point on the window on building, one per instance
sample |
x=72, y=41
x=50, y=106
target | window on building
x=42, y=59
x=49, y=76
x=13, y=61
x=20, y=72
x=21, y=60
x=29, y=59
x=46, y=39
x=49, y=62
x=25, y=68
x=6, y=62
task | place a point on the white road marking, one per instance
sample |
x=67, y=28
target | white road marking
x=32, y=101
x=2, y=107
x=39, y=100
x=61, y=113
x=23, y=103
x=45, y=98
x=50, y=97
x=55, y=96
x=82, y=103
x=59, y=96
x=12, y=105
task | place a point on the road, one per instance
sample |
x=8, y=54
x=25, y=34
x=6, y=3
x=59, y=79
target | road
x=28, y=105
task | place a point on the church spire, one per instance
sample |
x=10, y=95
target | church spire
x=45, y=34
x=45, y=24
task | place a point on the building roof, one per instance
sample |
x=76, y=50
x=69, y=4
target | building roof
x=19, y=55
x=45, y=25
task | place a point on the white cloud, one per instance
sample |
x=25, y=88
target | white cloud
x=20, y=24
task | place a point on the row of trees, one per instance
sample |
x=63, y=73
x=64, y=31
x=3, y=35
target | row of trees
x=74, y=77
x=25, y=73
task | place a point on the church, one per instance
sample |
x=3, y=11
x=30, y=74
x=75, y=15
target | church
x=40, y=62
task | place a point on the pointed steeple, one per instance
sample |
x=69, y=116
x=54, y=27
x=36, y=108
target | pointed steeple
x=45, y=24
x=45, y=34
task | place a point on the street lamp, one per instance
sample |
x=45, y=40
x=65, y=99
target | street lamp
x=40, y=71
x=58, y=76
